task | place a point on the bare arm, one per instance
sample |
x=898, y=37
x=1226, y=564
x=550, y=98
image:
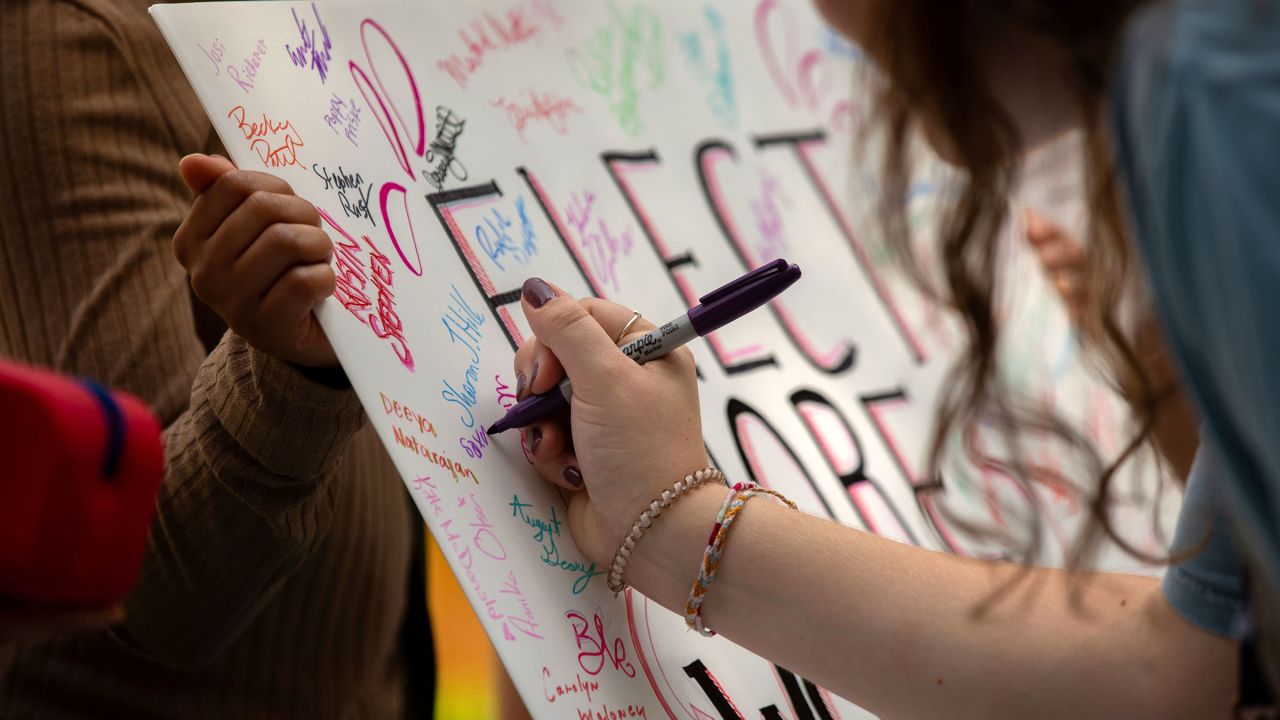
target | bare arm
x=902, y=631
x=921, y=634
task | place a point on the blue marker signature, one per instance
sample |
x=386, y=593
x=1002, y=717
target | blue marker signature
x=546, y=532
x=496, y=237
x=463, y=324
x=713, y=66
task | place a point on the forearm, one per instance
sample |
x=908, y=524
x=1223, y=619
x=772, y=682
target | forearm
x=907, y=632
x=248, y=495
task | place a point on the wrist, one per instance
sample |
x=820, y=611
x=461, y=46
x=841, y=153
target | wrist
x=665, y=562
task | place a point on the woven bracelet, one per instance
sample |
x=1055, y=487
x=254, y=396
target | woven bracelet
x=738, y=496
x=651, y=513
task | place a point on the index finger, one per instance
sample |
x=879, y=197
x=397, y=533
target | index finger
x=614, y=318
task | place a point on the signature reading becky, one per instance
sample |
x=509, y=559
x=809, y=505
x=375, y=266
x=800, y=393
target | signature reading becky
x=275, y=142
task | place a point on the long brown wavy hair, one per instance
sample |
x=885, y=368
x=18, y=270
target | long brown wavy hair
x=931, y=54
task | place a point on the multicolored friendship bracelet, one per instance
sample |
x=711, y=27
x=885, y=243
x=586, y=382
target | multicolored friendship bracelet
x=620, y=558
x=738, y=496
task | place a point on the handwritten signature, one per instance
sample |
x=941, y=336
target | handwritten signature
x=545, y=533
x=474, y=444
x=602, y=247
x=443, y=149
x=244, y=75
x=463, y=324
x=484, y=35
x=353, y=191
x=594, y=649
x=614, y=57
x=275, y=142
x=353, y=280
x=343, y=118
x=215, y=53
x=713, y=67
x=506, y=399
x=769, y=221
x=428, y=489
x=487, y=543
x=318, y=54
x=546, y=108
x=496, y=237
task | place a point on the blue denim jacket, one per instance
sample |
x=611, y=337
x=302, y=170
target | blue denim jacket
x=1196, y=113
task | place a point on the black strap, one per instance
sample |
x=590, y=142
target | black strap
x=416, y=643
x=1255, y=701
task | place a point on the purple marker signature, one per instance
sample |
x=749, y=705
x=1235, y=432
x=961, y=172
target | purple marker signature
x=320, y=54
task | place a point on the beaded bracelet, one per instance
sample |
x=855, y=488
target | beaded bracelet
x=620, y=558
x=733, y=504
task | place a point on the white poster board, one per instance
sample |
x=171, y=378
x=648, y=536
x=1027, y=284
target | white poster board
x=646, y=152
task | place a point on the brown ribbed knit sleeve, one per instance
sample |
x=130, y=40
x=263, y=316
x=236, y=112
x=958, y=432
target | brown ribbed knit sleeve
x=89, y=200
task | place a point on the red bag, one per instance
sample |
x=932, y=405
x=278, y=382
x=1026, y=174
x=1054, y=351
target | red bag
x=79, y=471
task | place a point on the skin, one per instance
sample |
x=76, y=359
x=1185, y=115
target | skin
x=922, y=634
x=1176, y=431
x=258, y=258
x=259, y=262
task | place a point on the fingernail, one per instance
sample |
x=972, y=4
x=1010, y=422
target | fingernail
x=573, y=476
x=537, y=292
x=533, y=376
x=535, y=439
x=520, y=383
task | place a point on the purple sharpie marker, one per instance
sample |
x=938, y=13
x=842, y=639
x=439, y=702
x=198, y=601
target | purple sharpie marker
x=713, y=311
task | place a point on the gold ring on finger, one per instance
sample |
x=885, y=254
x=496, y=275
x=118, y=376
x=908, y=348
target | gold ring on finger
x=634, y=317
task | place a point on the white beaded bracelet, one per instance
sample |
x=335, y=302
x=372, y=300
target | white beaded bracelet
x=647, y=517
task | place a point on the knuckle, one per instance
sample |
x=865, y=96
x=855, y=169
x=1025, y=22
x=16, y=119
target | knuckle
x=283, y=240
x=239, y=182
x=278, y=184
x=594, y=304
x=261, y=202
x=570, y=317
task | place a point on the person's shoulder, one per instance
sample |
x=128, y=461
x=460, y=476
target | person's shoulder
x=1145, y=57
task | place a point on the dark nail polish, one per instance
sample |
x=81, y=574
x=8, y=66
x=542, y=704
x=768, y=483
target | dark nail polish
x=535, y=439
x=537, y=292
x=521, y=381
x=573, y=476
x=533, y=376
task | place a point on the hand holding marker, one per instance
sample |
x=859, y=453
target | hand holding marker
x=714, y=311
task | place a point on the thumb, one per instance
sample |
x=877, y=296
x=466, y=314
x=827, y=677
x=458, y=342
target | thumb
x=572, y=334
x=200, y=171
